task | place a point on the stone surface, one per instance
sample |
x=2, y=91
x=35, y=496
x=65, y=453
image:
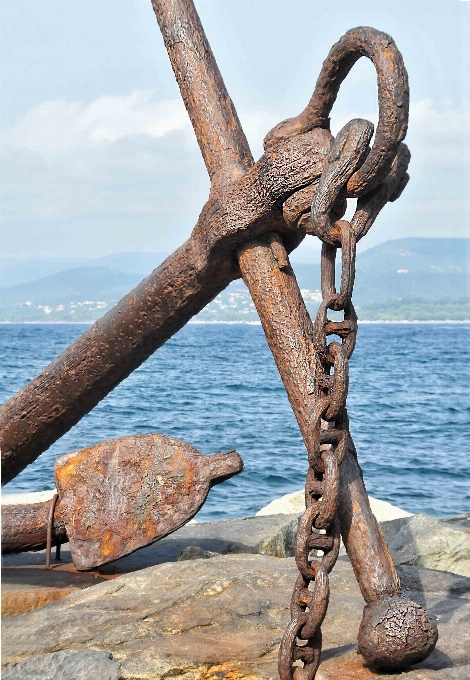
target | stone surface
x=31, y=497
x=70, y=664
x=219, y=618
x=25, y=588
x=27, y=585
x=274, y=535
x=428, y=542
x=295, y=503
x=193, y=552
x=462, y=520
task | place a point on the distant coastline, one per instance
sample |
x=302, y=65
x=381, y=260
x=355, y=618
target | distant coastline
x=403, y=280
x=239, y=323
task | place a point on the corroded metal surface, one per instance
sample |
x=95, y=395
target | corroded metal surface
x=396, y=633
x=24, y=527
x=119, y=496
x=393, y=97
x=125, y=493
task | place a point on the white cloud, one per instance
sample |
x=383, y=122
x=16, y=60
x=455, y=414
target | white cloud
x=56, y=127
x=125, y=173
x=437, y=134
x=441, y=133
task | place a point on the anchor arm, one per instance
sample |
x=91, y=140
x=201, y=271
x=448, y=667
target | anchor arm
x=161, y=304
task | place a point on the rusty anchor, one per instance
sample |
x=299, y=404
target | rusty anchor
x=117, y=497
x=256, y=214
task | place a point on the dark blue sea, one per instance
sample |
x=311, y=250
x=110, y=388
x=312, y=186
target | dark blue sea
x=217, y=387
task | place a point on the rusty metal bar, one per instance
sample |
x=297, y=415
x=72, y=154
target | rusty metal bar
x=272, y=284
x=24, y=527
x=214, y=118
x=50, y=528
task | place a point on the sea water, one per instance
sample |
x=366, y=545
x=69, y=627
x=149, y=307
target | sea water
x=216, y=386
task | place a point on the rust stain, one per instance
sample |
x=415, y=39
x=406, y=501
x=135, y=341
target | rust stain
x=228, y=670
x=110, y=544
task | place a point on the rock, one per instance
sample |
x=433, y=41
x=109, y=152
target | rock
x=25, y=588
x=223, y=617
x=289, y=504
x=385, y=512
x=267, y=535
x=428, y=542
x=295, y=503
x=27, y=585
x=70, y=664
x=459, y=520
x=31, y=497
x=192, y=552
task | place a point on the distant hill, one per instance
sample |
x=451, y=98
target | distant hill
x=428, y=269
x=72, y=285
x=415, y=278
x=16, y=270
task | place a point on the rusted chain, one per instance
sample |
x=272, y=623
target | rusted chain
x=329, y=424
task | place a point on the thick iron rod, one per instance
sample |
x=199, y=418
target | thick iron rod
x=25, y=527
x=214, y=118
x=102, y=357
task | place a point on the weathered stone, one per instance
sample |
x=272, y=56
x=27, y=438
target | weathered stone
x=219, y=618
x=295, y=503
x=273, y=535
x=25, y=588
x=424, y=541
x=462, y=520
x=29, y=497
x=27, y=585
x=193, y=552
x=70, y=664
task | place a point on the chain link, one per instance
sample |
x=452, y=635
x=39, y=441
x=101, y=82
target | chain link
x=329, y=435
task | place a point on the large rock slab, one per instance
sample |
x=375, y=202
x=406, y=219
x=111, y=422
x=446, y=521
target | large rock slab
x=424, y=541
x=266, y=535
x=223, y=617
x=71, y=664
x=28, y=587
x=295, y=503
x=462, y=520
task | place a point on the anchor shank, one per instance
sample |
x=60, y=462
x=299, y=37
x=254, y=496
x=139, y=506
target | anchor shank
x=266, y=270
x=215, y=121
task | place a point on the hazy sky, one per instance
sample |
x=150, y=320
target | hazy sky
x=98, y=155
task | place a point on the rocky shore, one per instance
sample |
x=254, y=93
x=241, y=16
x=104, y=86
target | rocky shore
x=211, y=601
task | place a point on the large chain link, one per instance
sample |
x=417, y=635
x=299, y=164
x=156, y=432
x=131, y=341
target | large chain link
x=329, y=435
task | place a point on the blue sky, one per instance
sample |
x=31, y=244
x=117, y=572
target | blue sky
x=98, y=155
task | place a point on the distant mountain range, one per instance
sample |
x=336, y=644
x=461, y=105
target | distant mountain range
x=17, y=270
x=406, y=278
